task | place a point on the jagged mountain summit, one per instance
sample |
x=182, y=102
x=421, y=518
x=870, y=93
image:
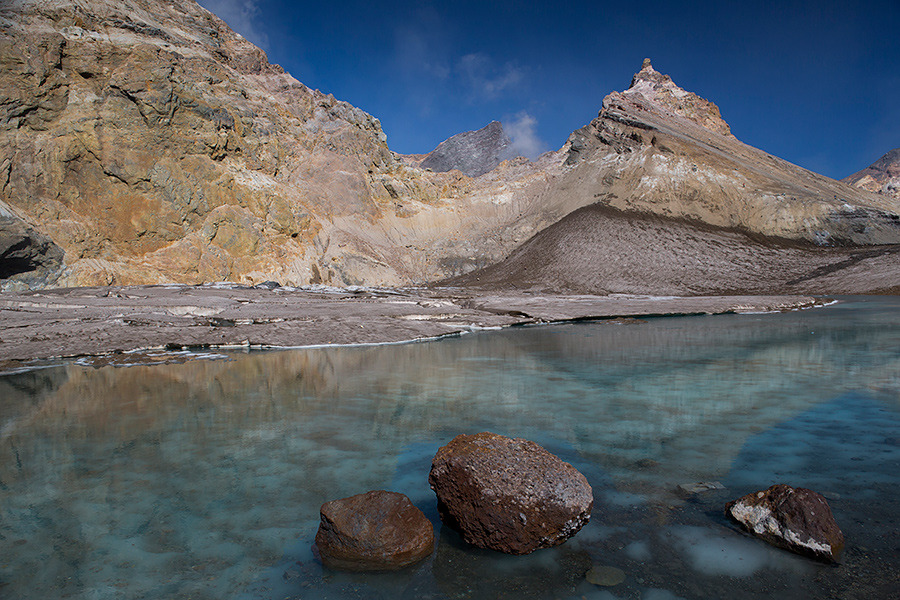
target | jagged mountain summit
x=662, y=91
x=660, y=149
x=472, y=152
x=143, y=141
x=881, y=177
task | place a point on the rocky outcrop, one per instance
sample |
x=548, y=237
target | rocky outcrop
x=662, y=91
x=881, y=177
x=472, y=152
x=657, y=148
x=375, y=531
x=25, y=254
x=508, y=494
x=796, y=519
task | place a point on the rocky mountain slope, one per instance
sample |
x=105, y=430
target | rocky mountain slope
x=153, y=144
x=145, y=142
x=472, y=152
x=658, y=148
x=881, y=177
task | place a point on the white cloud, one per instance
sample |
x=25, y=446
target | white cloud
x=521, y=132
x=485, y=79
x=241, y=16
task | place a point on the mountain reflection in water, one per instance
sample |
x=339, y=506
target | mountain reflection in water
x=204, y=479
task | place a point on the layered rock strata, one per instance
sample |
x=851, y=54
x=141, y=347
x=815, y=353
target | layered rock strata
x=660, y=149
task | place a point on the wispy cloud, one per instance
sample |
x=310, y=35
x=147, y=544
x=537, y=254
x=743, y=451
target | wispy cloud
x=426, y=53
x=241, y=16
x=421, y=59
x=486, y=79
x=415, y=54
x=522, y=134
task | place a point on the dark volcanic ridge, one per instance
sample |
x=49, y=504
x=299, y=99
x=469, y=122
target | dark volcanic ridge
x=601, y=250
x=472, y=152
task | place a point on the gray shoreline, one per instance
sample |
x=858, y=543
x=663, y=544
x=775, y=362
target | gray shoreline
x=99, y=321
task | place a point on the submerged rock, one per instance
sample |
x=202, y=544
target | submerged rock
x=508, y=494
x=375, y=531
x=461, y=571
x=688, y=490
x=605, y=576
x=796, y=519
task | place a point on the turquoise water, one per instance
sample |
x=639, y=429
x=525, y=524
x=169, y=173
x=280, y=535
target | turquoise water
x=204, y=479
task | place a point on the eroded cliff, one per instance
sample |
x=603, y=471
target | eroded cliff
x=153, y=144
x=148, y=143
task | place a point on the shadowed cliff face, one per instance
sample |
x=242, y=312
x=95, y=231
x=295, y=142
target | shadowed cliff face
x=152, y=144
x=24, y=250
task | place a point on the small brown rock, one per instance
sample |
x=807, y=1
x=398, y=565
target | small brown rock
x=375, y=531
x=508, y=494
x=796, y=519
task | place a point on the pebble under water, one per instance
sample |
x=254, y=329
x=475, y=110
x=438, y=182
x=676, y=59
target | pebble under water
x=204, y=479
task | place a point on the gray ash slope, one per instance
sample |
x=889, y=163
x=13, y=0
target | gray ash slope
x=472, y=152
x=602, y=250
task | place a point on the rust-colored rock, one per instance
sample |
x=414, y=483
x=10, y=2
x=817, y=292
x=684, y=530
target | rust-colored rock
x=508, y=494
x=796, y=519
x=375, y=531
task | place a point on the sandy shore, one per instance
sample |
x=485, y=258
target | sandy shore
x=98, y=321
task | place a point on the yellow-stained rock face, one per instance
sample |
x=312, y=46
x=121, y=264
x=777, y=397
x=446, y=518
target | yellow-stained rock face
x=152, y=144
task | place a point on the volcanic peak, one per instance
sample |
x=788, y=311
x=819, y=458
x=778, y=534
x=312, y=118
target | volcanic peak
x=659, y=89
x=881, y=177
x=472, y=152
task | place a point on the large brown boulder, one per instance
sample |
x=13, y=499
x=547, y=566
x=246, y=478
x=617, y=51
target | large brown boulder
x=508, y=494
x=375, y=531
x=796, y=519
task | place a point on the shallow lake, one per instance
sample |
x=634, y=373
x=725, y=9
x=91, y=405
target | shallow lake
x=204, y=479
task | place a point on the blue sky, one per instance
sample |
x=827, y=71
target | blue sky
x=816, y=83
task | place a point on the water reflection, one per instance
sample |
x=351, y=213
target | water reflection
x=204, y=479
